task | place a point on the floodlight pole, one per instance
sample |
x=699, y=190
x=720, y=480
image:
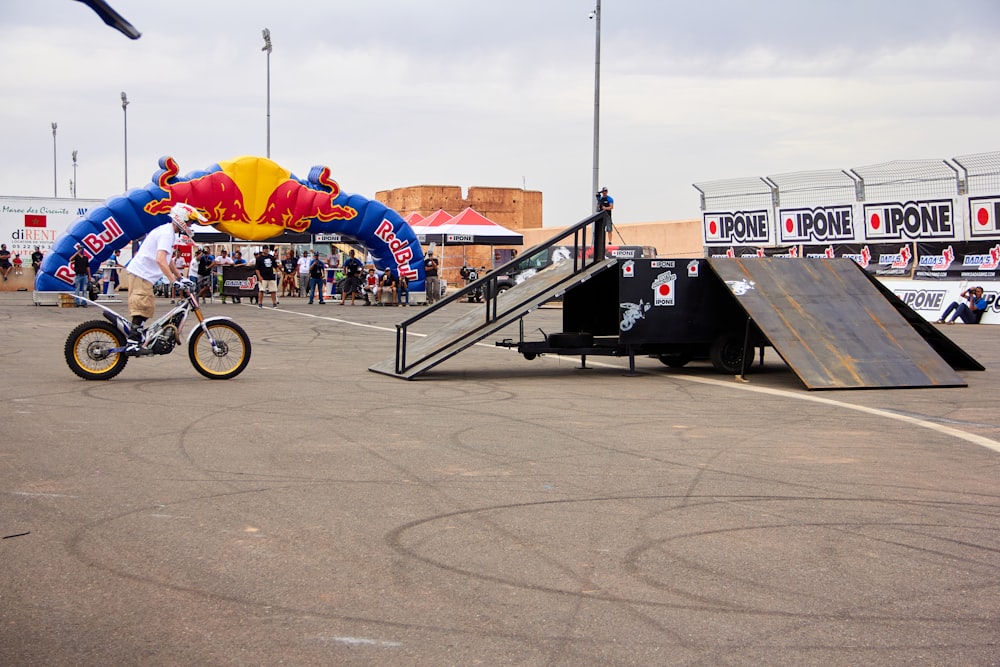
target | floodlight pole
x=125, y=116
x=55, y=180
x=267, y=48
x=597, y=105
x=73, y=186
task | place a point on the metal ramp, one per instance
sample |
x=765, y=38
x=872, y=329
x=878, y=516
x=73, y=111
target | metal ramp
x=958, y=358
x=417, y=355
x=833, y=328
x=476, y=325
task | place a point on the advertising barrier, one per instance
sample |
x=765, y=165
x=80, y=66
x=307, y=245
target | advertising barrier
x=239, y=281
x=928, y=220
x=930, y=299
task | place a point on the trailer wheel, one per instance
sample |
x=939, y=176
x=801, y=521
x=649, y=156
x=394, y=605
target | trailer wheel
x=495, y=292
x=726, y=353
x=528, y=355
x=675, y=359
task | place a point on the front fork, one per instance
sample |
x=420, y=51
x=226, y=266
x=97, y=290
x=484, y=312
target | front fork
x=201, y=325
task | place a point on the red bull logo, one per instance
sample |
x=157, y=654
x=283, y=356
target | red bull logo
x=93, y=245
x=252, y=198
x=401, y=252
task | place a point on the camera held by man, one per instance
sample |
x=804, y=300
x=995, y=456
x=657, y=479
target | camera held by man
x=604, y=201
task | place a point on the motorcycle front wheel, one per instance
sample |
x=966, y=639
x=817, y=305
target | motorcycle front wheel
x=227, y=358
x=87, y=350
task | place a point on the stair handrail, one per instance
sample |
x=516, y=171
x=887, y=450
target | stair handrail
x=601, y=222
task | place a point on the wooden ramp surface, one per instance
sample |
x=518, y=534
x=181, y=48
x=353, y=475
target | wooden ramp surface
x=423, y=353
x=832, y=327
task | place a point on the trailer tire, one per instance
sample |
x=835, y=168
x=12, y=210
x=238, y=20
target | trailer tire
x=495, y=291
x=571, y=339
x=675, y=359
x=726, y=353
x=528, y=355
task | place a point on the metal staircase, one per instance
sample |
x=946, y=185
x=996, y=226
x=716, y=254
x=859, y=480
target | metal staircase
x=560, y=263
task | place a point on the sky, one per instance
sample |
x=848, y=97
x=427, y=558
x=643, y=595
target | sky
x=396, y=93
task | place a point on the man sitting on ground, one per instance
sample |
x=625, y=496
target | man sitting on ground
x=971, y=311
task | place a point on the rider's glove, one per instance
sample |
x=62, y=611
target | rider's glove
x=184, y=284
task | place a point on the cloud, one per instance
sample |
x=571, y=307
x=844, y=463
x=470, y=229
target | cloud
x=393, y=93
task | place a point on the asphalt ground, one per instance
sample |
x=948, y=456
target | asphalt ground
x=496, y=511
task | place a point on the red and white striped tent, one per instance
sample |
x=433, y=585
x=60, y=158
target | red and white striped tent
x=423, y=225
x=466, y=228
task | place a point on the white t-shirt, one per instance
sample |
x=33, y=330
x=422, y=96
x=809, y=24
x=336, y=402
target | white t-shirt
x=304, y=262
x=144, y=264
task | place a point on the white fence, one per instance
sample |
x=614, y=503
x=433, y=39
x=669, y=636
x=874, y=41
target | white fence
x=925, y=219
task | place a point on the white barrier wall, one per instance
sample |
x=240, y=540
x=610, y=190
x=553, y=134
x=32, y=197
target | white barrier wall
x=962, y=218
x=930, y=298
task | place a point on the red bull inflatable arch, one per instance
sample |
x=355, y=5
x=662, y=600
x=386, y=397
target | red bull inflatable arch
x=249, y=198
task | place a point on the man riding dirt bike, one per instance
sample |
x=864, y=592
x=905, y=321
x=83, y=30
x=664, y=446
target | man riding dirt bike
x=151, y=262
x=218, y=348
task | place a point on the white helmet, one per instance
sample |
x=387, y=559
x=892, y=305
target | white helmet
x=182, y=214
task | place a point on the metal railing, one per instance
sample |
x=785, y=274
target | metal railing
x=574, y=239
x=982, y=172
x=902, y=180
x=908, y=179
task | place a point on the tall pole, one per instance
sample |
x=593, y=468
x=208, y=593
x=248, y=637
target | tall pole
x=597, y=104
x=267, y=47
x=73, y=188
x=55, y=180
x=125, y=118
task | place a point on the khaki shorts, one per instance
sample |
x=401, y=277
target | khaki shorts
x=140, y=296
x=268, y=286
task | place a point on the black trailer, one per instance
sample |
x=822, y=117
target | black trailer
x=832, y=323
x=676, y=310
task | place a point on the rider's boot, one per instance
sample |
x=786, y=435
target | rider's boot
x=135, y=335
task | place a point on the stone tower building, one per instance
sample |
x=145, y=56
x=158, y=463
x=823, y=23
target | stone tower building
x=513, y=208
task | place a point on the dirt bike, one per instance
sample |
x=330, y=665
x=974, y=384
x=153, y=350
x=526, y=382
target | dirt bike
x=471, y=276
x=218, y=348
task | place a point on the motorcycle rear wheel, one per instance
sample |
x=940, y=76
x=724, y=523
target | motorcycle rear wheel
x=87, y=350
x=230, y=355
